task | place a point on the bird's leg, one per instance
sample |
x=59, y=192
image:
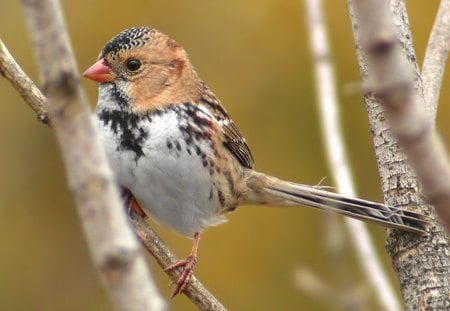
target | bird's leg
x=131, y=203
x=188, y=265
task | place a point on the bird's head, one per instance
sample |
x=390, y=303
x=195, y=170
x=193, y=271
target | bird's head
x=148, y=67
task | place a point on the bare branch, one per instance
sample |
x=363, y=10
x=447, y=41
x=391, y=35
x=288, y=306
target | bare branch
x=435, y=58
x=392, y=84
x=195, y=291
x=390, y=72
x=343, y=298
x=337, y=159
x=315, y=287
x=24, y=86
x=114, y=247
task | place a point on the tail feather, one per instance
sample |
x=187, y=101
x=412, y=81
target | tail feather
x=271, y=191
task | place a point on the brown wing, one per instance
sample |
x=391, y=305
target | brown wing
x=233, y=139
x=236, y=143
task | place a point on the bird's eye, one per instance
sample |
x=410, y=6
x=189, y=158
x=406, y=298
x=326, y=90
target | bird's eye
x=133, y=64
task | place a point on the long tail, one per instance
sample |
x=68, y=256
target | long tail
x=264, y=189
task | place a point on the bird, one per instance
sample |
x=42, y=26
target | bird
x=178, y=156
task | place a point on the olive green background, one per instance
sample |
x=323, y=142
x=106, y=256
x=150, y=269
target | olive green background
x=255, y=56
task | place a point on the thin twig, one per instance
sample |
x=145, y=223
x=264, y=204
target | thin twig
x=334, y=298
x=23, y=85
x=436, y=57
x=337, y=159
x=114, y=248
x=198, y=294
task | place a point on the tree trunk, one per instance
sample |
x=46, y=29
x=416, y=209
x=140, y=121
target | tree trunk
x=421, y=263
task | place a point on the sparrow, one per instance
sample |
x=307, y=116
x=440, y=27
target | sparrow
x=180, y=158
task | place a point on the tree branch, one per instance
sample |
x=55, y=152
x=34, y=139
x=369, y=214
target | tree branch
x=195, y=291
x=392, y=82
x=337, y=159
x=23, y=85
x=435, y=58
x=390, y=72
x=113, y=246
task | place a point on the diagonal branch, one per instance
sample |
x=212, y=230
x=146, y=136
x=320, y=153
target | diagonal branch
x=435, y=58
x=26, y=88
x=22, y=83
x=337, y=159
x=113, y=246
x=196, y=292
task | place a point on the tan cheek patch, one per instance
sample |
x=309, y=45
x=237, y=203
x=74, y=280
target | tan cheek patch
x=147, y=89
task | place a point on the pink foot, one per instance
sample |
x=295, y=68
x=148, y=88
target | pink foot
x=188, y=265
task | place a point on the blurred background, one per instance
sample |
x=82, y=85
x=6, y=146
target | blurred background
x=255, y=56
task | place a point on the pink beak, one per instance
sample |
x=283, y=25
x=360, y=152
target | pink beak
x=99, y=72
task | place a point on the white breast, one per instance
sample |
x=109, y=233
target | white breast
x=170, y=180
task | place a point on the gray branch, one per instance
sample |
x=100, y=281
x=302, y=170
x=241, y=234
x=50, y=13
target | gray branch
x=338, y=163
x=22, y=83
x=394, y=93
x=435, y=58
x=113, y=246
x=195, y=291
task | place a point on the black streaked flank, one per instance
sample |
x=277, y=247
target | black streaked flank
x=178, y=146
x=169, y=144
x=221, y=198
x=132, y=136
x=210, y=193
x=197, y=150
x=203, y=125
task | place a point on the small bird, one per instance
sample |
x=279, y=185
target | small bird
x=180, y=158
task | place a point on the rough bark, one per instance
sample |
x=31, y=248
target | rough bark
x=421, y=262
x=328, y=102
x=435, y=58
x=113, y=246
x=22, y=83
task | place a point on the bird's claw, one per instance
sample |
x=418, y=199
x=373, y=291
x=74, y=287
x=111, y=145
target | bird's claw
x=188, y=265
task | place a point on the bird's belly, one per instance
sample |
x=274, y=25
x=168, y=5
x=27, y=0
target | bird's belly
x=172, y=179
